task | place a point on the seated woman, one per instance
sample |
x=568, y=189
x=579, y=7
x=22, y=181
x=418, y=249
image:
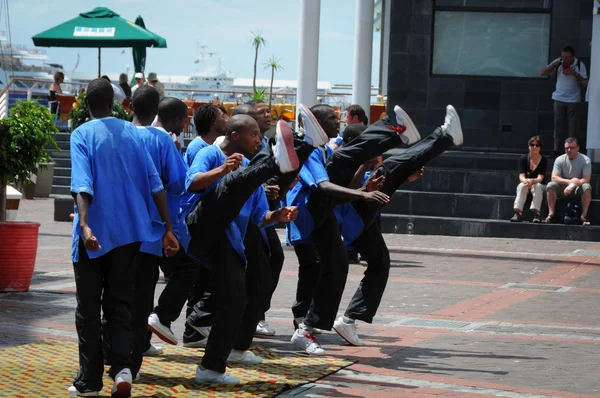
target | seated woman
x=59, y=77
x=532, y=169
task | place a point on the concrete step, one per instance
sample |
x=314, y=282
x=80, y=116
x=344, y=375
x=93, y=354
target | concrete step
x=448, y=226
x=62, y=162
x=55, y=154
x=478, y=206
x=492, y=182
x=62, y=171
x=61, y=181
x=63, y=145
x=63, y=137
x=61, y=190
x=482, y=160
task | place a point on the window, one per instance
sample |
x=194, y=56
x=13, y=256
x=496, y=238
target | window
x=491, y=38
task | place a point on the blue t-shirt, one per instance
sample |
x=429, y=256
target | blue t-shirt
x=192, y=150
x=313, y=173
x=255, y=208
x=172, y=170
x=110, y=163
x=264, y=142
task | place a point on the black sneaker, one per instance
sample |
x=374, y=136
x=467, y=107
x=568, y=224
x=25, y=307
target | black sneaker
x=193, y=339
x=537, y=218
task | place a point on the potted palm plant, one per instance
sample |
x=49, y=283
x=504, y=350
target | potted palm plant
x=24, y=137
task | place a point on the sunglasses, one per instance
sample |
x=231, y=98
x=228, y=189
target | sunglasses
x=535, y=145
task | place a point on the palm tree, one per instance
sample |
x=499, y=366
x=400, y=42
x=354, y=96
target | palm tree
x=257, y=42
x=272, y=63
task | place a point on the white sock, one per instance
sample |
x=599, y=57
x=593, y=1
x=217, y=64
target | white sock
x=347, y=320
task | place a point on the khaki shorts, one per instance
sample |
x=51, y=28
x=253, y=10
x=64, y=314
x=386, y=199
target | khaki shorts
x=559, y=190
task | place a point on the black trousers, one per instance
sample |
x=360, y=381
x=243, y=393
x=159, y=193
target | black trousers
x=176, y=292
x=104, y=284
x=258, y=291
x=259, y=285
x=143, y=303
x=229, y=275
x=309, y=268
x=201, y=292
x=218, y=209
x=276, y=262
x=370, y=243
x=374, y=141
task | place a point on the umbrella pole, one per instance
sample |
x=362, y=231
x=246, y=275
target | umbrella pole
x=99, y=61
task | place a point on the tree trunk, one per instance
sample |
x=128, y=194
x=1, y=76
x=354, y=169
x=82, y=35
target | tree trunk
x=271, y=88
x=2, y=199
x=255, y=61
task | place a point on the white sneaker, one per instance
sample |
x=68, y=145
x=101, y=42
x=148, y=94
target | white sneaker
x=307, y=342
x=313, y=132
x=207, y=376
x=264, y=329
x=452, y=125
x=347, y=331
x=411, y=134
x=162, y=331
x=298, y=321
x=122, y=386
x=153, y=351
x=203, y=330
x=283, y=150
x=73, y=391
x=243, y=357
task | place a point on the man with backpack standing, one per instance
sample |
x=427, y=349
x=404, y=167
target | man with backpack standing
x=571, y=74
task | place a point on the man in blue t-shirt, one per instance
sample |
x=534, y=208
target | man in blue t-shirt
x=114, y=183
x=316, y=197
x=210, y=123
x=394, y=171
x=172, y=114
x=229, y=195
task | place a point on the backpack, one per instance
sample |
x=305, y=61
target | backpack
x=572, y=213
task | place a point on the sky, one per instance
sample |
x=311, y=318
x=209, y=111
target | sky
x=223, y=26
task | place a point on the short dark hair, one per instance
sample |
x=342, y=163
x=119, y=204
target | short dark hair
x=58, y=75
x=320, y=110
x=536, y=139
x=99, y=94
x=255, y=102
x=204, y=118
x=106, y=78
x=243, y=109
x=353, y=131
x=145, y=101
x=571, y=140
x=357, y=110
x=222, y=108
x=171, y=108
x=569, y=49
x=237, y=123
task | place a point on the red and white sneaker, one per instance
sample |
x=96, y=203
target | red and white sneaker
x=122, y=386
x=410, y=135
x=313, y=132
x=307, y=342
x=162, y=331
x=283, y=150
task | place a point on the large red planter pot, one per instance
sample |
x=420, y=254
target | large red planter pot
x=18, y=248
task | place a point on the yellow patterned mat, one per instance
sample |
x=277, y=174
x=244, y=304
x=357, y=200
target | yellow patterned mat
x=47, y=368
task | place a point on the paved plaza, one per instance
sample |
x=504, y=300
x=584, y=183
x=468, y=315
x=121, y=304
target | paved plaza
x=460, y=317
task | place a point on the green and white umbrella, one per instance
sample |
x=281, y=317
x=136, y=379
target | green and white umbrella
x=99, y=28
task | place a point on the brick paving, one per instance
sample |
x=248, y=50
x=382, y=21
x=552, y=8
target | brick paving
x=461, y=316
